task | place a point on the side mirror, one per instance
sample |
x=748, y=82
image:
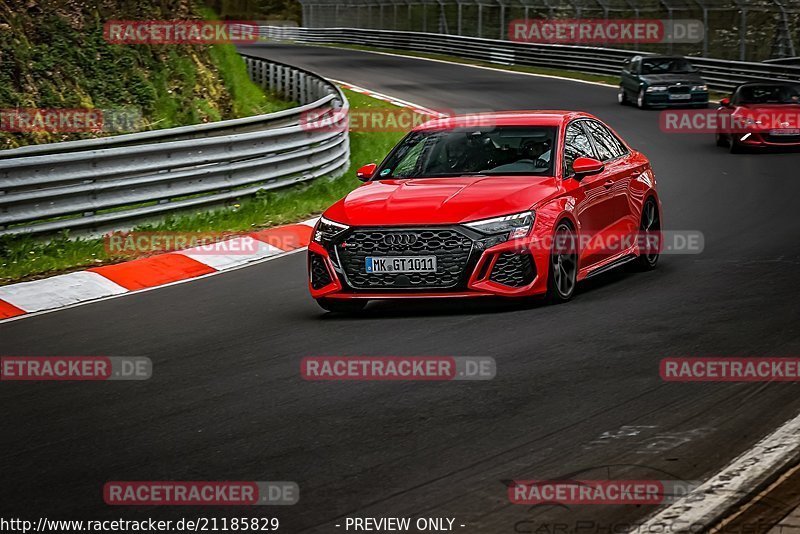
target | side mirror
x=586, y=167
x=366, y=172
x=725, y=102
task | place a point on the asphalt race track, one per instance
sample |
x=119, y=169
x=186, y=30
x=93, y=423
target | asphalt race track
x=577, y=392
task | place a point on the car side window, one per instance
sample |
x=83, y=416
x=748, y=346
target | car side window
x=735, y=95
x=576, y=145
x=635, y=62
x=626, y=65
x=607, y=145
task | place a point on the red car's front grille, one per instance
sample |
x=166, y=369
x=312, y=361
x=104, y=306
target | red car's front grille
x=450, y=245
x=782, y=139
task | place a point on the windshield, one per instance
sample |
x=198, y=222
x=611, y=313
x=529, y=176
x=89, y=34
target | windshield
x=504, y=150
x=670, y=65
x=770, y=94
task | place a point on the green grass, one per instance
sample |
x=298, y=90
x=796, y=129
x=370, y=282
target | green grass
x=25, y=257
x=248, y=98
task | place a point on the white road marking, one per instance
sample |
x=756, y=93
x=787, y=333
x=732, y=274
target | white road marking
x=394, y=100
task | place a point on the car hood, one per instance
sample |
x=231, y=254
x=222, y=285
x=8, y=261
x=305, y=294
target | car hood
x=654, y=79
x=778, y=109
x=440, y=200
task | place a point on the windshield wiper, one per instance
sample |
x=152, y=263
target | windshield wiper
x=438, y=175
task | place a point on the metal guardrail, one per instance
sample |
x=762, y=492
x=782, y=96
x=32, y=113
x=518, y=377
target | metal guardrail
x=721, y=75
x=105, y=183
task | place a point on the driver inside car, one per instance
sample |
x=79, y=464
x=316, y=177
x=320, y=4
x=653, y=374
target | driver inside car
x=534, y=154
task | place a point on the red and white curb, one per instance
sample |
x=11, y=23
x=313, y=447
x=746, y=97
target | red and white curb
x=64, y=290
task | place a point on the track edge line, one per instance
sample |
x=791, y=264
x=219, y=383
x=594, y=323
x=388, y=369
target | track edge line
x=749, y=473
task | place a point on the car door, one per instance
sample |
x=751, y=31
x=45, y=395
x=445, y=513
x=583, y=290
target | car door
x=593, y=202
x=619, y=173
x=630, y=77
x=625, y=76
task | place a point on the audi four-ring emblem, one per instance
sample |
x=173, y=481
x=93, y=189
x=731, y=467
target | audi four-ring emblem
x=400, y=239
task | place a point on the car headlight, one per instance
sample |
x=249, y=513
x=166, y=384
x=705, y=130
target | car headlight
x=656, y=89
x=326, y=230
x=749, y=121
x=503, y=228
x=699, y=88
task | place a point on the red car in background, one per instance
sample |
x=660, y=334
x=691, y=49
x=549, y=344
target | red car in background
x=760, y=115
x=512, y=204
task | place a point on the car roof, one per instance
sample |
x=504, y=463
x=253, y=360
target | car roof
x=506, y=118
x=664, y=57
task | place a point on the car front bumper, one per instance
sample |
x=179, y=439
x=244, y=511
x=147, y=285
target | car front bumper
x=663, y=99
x=763, y=139
x=516, y=268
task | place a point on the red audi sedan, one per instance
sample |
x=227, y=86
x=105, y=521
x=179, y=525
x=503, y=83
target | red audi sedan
x=511, y=204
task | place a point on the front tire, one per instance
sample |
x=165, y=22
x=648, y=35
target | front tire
x=641, y=101
x=562, y=276
x=342, y=306
x=735, y=147
x=721, y=140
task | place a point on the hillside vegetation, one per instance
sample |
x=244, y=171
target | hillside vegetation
x=53, y=55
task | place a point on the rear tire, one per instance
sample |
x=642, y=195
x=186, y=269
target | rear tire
x=650, y=224
x=342, y=306
x=622, y=96
x=721, y=140
x=562, y=276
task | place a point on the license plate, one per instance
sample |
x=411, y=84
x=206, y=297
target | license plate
x=680, y=97
x=401, y=264
x=785, y=131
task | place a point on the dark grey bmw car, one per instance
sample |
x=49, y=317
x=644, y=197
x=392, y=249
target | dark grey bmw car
x=662, y=81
